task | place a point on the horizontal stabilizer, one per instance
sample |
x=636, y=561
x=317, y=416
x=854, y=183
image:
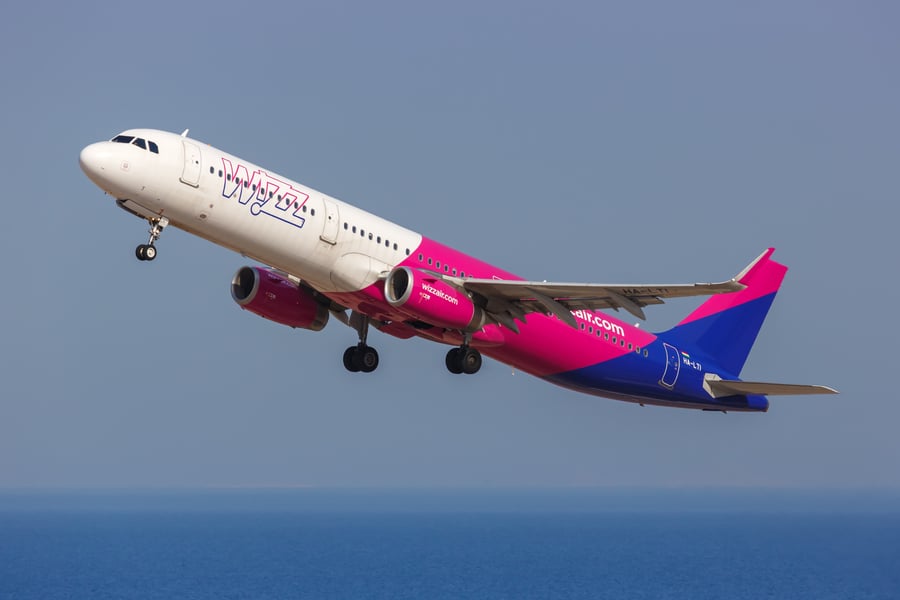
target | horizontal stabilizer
x=718, y=388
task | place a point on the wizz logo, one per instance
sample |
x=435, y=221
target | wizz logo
x=265, y=194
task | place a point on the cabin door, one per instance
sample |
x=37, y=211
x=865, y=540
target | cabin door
x=673, y=367
x=332, y=218
x=191, y=173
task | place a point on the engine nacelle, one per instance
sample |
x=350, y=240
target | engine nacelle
x=276, y=298
x=428, y=298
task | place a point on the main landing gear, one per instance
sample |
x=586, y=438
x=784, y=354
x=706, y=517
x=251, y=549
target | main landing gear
x=463, y=360
x=148, y=251
x=360, y=357
x=363, y=358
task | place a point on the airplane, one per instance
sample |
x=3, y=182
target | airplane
x=326, y=258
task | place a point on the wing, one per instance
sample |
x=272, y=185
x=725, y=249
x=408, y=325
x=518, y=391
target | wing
x=507, y=301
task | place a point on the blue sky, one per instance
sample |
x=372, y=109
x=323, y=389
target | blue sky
x=616, y=142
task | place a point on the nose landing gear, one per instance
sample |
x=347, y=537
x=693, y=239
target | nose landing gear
x=148, y=251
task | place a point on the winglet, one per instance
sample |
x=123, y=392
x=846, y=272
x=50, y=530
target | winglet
x=743, y=274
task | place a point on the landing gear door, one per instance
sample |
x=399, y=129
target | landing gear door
x=332, y=218
x=191, y=173
x=673, y=367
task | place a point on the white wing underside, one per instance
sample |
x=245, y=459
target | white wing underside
x=718, y=388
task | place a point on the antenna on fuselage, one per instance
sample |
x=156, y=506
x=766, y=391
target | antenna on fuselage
x=184, y=133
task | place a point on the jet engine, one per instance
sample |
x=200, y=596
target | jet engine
x=428, y=298
x=274, y=297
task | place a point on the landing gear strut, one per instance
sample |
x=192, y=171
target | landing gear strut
x=360, y=357
x=463, y=360
x=148, y=251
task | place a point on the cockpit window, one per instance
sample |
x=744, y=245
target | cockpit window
x=136, y=141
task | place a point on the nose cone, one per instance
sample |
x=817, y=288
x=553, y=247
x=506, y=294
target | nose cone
x=95, y=160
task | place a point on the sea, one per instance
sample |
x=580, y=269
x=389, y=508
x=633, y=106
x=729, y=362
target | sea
x=449, y=543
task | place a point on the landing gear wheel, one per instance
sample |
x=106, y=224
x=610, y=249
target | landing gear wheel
x=366, y=358
x=360, y=358
x=463, y=360
x=348, y=359
x=145, y=252
x=453, y=362
x=471, y=360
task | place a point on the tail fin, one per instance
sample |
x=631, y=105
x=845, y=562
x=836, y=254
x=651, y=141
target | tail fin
x=725, y=326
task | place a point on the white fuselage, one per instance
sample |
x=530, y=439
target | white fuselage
x=213, y=194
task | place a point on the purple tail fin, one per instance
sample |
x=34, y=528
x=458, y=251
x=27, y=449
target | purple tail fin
x=725, y=326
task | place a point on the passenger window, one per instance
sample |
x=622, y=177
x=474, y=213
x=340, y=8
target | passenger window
x=155, y=150
x=354, y=229
x=220, y=172
x=212, y=171
x=345, y=226
x=429, y=260
x=312, y=212
x=421, y=257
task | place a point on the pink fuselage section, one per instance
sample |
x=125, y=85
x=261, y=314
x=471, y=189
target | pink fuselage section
x=544, y=345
